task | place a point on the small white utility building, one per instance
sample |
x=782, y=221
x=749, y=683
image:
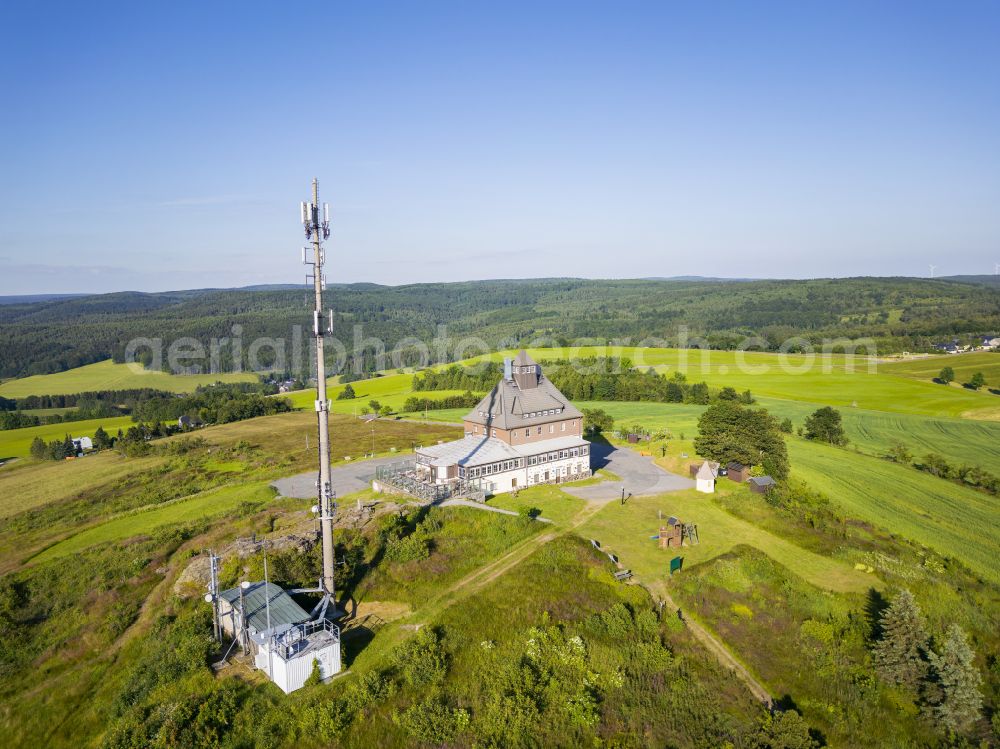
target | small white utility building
x=704, y=480
x=280, y=635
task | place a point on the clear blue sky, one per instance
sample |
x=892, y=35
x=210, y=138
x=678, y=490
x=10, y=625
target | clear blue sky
x=166, y=145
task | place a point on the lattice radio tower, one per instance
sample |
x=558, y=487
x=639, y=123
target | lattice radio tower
x=317, y=229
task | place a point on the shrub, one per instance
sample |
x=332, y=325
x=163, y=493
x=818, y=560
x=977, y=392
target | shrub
x=422, y=660
x=432, y=721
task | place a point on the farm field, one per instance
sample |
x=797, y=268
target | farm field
x=953, y=520
x=16, y=443
x=965, y=365
x=828, y=380
x=199, y=507
x=107, y=375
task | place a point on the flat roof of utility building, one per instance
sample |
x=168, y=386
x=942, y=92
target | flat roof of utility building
x=260, y=596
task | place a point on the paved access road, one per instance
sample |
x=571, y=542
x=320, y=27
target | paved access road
x=639, y=475
x=344, y=479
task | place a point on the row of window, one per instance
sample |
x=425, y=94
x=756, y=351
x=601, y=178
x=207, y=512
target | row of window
x=558, y=455
x=549, y=412
x=506, y=465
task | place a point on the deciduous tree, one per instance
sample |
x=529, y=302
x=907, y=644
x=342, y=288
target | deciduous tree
x=824, y=425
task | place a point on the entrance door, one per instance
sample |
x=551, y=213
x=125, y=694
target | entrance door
x=546, y=475
x=513, y=483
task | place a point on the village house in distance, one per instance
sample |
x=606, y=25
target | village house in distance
x=524, y=432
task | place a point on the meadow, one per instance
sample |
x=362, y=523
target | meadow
x=107, y=375
x=965, y=365
x=834, y=379
x=200, y=507
x=16, y=443
x=954, y=520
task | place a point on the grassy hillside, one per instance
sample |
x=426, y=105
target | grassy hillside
x=107, y=375
x=205, y=505
x=953, y=520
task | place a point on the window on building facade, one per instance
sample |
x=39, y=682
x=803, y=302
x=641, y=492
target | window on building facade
x=494, y=432
x=527, y=432
x=552, y=428
x=539, y=430
x=563, y=425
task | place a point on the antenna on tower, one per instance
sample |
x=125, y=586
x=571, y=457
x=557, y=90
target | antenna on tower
x=317, y=228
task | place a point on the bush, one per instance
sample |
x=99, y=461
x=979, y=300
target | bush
x=422, y=660
x=432, y=721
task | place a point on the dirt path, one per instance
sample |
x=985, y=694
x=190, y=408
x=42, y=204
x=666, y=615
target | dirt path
x=714, y=646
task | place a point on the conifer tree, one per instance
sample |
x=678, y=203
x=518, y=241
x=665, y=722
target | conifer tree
x=39, y=449
x=899, y=654
x=953, y=697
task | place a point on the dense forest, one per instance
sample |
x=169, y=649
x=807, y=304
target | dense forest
x=898, y=313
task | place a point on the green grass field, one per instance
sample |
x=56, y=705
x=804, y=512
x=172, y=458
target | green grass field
x=199, y=507
x=16, y=443
x=951, y=519
x=965, y=365
x=830, y=380
x=107, y=375
x=626, y=529
x=27, y=484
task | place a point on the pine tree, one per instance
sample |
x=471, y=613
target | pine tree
x=101, y=439
x=39, y=450
x=899, y=654
x=954, y=700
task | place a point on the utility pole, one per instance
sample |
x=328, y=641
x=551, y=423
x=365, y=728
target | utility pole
x=316, y=231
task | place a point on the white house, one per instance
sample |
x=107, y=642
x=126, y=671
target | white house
x=83, y=443
x=523, y=432
x=704, y=480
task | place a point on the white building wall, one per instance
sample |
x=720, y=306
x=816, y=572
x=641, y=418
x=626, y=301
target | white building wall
x=292, y=674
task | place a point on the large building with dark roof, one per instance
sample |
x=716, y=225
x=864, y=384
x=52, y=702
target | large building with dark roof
x=523, y=432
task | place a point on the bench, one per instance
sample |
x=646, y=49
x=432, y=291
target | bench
x=623, y=575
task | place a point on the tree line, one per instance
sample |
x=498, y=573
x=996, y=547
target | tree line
x=897, y=314
x=593, y=378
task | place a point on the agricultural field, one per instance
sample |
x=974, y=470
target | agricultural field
x=107, y=375
x=965, y=365
x=833, y=380
x=955, y=521
x=16, y=443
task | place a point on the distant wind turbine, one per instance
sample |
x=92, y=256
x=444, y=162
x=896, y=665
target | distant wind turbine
x=933, y=268
x=996, y=269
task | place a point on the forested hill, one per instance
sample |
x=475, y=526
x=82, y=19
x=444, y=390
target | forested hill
x=900, y=313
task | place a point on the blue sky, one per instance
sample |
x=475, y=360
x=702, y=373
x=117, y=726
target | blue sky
x=164, y=146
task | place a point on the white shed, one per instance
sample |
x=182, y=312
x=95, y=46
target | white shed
x=704, y=480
